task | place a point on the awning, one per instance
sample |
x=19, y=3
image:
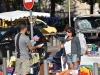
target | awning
x=12, y=15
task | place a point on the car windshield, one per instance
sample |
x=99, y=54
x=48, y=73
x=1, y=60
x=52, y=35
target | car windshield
x=60, y=22
x=3, y=32
x=88, y=22
x=51, y=22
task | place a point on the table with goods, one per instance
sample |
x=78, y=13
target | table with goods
x=92, y=55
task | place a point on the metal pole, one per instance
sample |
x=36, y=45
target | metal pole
x=4, y=66
x=95, y=65
x=58, y=42
x=54, y=41
x=51, y=40
x=8, y=54
x=46, y=67
x=31, y=23
x=69, y=13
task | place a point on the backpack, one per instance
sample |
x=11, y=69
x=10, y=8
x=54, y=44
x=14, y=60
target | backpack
x=82, y=42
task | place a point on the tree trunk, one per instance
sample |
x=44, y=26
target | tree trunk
x=52, y=8
x=91, y=6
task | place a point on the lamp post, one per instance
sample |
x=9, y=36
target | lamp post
x=69, y=13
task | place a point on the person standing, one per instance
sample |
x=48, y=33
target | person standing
x=72, y=48
x=22, y=47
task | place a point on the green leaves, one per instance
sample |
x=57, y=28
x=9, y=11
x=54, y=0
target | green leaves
x=59, y=1
x=39, y=5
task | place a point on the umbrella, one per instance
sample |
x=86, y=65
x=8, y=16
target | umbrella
x=12, y=15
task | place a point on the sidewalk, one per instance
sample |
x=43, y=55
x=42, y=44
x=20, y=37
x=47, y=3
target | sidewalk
x=52, y=47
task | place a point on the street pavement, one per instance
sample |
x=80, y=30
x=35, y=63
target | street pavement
x=52, y=51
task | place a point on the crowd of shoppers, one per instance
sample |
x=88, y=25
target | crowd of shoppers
x=71, y=45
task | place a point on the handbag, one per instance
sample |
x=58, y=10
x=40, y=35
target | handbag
x=34, y=58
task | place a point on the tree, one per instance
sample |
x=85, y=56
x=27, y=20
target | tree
x=91, y=2
x=53, y=6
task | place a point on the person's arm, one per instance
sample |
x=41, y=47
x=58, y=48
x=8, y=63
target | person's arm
x=78, y=47
x=29, y=45
x=34, y=47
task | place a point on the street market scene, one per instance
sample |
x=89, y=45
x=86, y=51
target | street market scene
x=49, y=37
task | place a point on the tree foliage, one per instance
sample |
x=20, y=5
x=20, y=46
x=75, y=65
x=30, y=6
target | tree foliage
x=89, y=1
x=59, y=2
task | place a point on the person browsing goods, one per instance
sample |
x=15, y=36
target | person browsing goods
x=22, y=47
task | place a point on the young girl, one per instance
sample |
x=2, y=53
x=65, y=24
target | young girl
x=72, y=48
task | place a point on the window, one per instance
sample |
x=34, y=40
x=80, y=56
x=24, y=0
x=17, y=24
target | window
x=84, y=24
x=88, y=22
x=40, y=24
x=10, y=36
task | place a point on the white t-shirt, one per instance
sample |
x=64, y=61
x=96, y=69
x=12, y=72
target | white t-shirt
x=67, y=46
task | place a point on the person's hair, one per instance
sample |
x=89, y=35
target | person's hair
x=72, y=30
x=22, y=26
x=66, y=27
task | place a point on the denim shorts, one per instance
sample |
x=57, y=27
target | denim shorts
x=71, y=58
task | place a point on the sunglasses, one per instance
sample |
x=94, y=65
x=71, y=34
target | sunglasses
x=68, y=31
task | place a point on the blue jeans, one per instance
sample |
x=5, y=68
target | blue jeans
x=70, y=58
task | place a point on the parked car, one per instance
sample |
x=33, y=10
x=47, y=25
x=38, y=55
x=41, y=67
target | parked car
x=41, y=25
x=90, y=26
x=7, y=41
x=60, y=25
x=51, y=20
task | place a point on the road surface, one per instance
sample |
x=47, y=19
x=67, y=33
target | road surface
x=52, y=51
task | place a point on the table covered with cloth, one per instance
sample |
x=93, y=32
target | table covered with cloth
x=88, y=60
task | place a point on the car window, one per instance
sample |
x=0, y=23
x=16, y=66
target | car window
x=83, y=24
x=9, y=36
x=2, y=32
x=88, y=22
x=58, y=23
x=39, y=24
x=50, y=22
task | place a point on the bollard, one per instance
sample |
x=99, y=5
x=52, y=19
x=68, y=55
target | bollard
x=4, y=66
x=58, y=43
x=51, y=40
x=8, y=57
x=95, y=65
x=54, y=41
x=8, y=54
x=46, y=67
